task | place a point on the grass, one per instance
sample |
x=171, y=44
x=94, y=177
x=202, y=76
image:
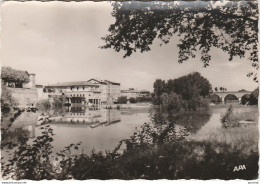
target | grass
x=247, y=116
x=243, y=138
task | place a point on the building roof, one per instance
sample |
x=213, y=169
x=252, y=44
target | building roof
x=98, y=81
x=104, y=81
x=72, y=84
x=114, y=83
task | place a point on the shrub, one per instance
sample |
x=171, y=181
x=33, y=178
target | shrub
x=122, y=100
x=44, y=104
x=229, y=119
x=7, y=101
x=132, y=100
x=144, y=99
x=253, y=100
x=14, y=78
x=245, y=99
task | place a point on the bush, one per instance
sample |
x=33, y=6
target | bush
x=7, y=101
x=132, y=100
x=229, y=119
x=44, y=104
x=144, y=99
x=245, y=99
x=171, y=160
x=253, y=100
x=14, y=78
x=171, y=102
x=58, y=101
x=250, y=99
x=122, y=100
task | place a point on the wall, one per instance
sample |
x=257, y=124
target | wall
x=24, y=96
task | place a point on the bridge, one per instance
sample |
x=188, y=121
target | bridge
x=239, y=95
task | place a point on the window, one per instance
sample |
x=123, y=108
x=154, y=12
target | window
x=71, y=88
x=83, y=87
x=77, y=88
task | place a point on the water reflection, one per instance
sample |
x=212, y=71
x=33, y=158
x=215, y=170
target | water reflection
x=96, y=128
x=103, y=129
x=193, y=121
x=25, y=123
x=92, y=117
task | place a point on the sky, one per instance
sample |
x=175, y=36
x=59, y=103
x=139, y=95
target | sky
x=59, y=42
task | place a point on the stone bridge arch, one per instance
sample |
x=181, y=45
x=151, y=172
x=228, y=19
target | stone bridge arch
x=239, y=95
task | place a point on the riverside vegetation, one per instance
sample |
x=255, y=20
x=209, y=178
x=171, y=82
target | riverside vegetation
x=155, y=151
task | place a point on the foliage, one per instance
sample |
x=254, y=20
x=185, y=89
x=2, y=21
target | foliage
x=58, y=101
x=7, y=101
x=250, y=99
x=215, y=98
x=247, y=116
x=189, y=91
x=245, y=99
x=172, y=102
x=253, y=100
x=200, y=25
x=44, y=104
x=153, y=152
x=229, y=119
x=132, y=100
x=122, y=100
x=242, y=90
x=32, y=161
x=14, y=78
x=144, y=99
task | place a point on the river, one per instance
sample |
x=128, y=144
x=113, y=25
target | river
x=102, y=129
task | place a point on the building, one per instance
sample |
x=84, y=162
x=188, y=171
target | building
x=77, y=93
x=134, y=93
x=130, y=93
x=145, y=93
x=110, y=91
x=31, y=83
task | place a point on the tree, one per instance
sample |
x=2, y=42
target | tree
x=242, y=90
x=7, y=101
x=192, y=85
x=245, y=99
x=132, y=100
x=159, y=88
x=200, y=25
x=172, y=102
x=190, y=88
x=253, y=100
x=216, y=89
x=122, y=100
x=14, y=78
